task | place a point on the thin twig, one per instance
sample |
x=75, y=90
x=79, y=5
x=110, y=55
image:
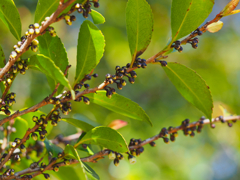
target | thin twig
x=101, y=154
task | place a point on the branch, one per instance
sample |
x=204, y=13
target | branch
x=42, y=28
x=94, y=158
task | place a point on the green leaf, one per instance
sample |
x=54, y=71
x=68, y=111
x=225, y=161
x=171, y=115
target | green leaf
x=97, y=17
x=52, y=149
x=10, y=17
x=90, y=49
x=90, y=172
x=53, y=48
x=188, y=15
x=83, y=123
x=139, y=22
x=120, y=104
x=21, y=126
x=2, y=57
x=45, y=9
x=70, y=150
x=191, y=86
x=49, y=68
x=106, y=137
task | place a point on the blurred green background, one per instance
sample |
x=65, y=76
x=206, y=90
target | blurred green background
x=213, y=154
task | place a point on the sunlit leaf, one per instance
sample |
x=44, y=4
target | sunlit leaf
x=191, y=86
x=120, y=104
x=139, y=22
x=97, y=17
x=45, y=9
x=106, y=137
x=53, y=48
x=10, y=17
x=90, y=49
x=188, y=15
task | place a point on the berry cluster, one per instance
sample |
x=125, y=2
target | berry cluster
x=139, y=63
x=65, y=108
x=33, y=29
x=51, y=31
x=43, y=122
x=194, y=42
x=118, y=79
x=85, y=9
x=177, y=46
x=82, y=83
x=228, y=123
x=9, y=172
x=69, y=19
x=116, y=157
x=198, y=32
x=9, y=100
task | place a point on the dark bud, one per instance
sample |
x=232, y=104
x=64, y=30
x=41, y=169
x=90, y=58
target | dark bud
x=163, y=63
x=166, y=140
x=117, y=68
x=180, y=49
x=170, y=128
x=153, y=144
x=47, y=176
x=80, y=10
x=88, y=77
x=96, y=5
x=172, y=137
x=114, y=77
x=177, y=46
x=178, y=42
x=192, y=134
x=116, y=162
x=144, y=65
x=131, y=80
x=110, y=81
x=95, y=75
x=195, y=46
x=34, y=165
x=133, y=74
x=72, y=18
x=229, y=124
x=113, y=91
x=108, y=76
x=119, y=86
x=200, y=33
x=7, y=112
x=86, y=100
x=213, y=126
x=85, y=14
x=84, y=146
x=77, y=86
x=109, y=94
x=86, y=86
x=128, y=65
x=31, y=26
x=221, y=119
x=120, y=75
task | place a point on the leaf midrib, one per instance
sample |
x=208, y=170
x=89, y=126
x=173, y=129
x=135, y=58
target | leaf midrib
x=134, y=117
x=85, y=59
x=13, y=27
x=47, y=11
x=187, y=87
x=183, y=21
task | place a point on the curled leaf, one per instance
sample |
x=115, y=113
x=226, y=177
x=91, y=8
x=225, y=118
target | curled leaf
x=215, y=27
x=117, y=124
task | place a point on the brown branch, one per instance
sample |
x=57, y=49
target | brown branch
x=101, y=154
x=30, y=38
